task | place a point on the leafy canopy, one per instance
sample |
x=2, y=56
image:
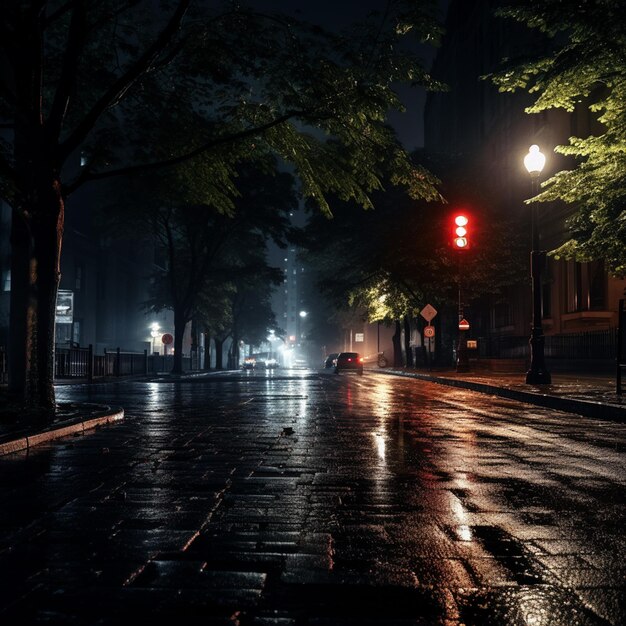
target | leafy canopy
x=227, y=83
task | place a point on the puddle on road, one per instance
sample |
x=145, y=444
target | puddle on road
x=538, y=605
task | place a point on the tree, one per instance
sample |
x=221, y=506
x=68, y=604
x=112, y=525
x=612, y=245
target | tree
x=83, y=78
x=583, y=64
x=391, y=261
x=204, y=249
x=253, y=317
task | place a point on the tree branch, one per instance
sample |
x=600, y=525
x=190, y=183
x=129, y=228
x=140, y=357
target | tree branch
x=124, y=82
x=73, y=49
x=208, y=145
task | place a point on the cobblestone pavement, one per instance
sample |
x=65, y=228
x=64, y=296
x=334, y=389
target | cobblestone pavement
x=316, y=500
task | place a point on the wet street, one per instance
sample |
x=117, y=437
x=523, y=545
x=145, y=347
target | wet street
x=299, y=498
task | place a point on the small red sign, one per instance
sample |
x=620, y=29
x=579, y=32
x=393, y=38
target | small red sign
x=429, y=331
x=463, y=324
x=167, y=339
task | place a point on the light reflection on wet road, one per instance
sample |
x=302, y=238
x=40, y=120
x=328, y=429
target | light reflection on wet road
x=318, y=499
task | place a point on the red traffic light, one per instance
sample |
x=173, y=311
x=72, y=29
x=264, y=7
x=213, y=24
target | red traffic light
x=461, y=239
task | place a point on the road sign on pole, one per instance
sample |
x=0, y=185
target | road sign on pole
x=429, y=331
x=463, y=324
x=428, y=312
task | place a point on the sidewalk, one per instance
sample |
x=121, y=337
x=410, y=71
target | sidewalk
x=590, y=395
x=71, y=419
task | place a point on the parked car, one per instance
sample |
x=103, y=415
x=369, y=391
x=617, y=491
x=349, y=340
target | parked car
x=249, y=363
x=271, y=364
x=349, y=362
x=330, y=360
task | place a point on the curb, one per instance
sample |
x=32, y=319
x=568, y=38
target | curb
x=586, y=408
x=76, y=428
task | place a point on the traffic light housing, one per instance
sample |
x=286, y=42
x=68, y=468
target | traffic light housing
x=461, y=232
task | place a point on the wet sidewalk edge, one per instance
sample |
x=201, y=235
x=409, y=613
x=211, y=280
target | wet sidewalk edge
x=25, y=440
x=586, y=408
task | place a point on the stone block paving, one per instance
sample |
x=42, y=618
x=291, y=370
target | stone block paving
x=317, y=501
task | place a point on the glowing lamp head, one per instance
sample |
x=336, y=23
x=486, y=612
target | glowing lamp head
x=534, y=160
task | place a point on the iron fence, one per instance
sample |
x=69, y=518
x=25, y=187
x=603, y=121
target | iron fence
x=601, y=345
x=77, y=362
x=81, y=362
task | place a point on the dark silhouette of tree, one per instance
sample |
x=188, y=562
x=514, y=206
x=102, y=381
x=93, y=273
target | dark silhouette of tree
x=128, y=87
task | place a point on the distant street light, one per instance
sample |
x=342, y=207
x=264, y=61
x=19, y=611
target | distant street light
x=303, y=313
x=538, y=373
x=154, y=333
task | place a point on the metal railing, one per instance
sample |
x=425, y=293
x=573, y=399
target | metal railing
x=81, y=362
x=599, y=344
x=77, y=362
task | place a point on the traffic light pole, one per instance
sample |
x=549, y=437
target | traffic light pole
x=462, y=358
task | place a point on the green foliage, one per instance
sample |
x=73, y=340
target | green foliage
x=583, y=65
x=136, y=86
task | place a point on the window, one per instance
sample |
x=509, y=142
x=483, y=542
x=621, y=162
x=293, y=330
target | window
x=574, y=287
x=597, y=286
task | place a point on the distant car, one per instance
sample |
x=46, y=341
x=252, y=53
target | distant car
x=271, y=364
x=330, y=360
x=249, y=363
x=299, y=364
x=349, y=362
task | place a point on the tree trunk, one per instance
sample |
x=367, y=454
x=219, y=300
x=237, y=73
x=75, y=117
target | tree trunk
x=397, y=345
x=407, y=342
x=235, y=350
x=195, y=355
x=219, y=346
x=36, y=236
x=207, y=350
x=180, y=321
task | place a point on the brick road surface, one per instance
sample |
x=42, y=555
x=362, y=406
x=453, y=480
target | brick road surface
x=311, y=499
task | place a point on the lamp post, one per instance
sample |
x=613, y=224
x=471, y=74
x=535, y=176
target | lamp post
x=538, y=373
x=302, y=315
x=154, y=333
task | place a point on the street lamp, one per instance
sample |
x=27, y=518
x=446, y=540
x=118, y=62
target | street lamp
x=302, y=314
x=538, y=373
x=154, y=333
